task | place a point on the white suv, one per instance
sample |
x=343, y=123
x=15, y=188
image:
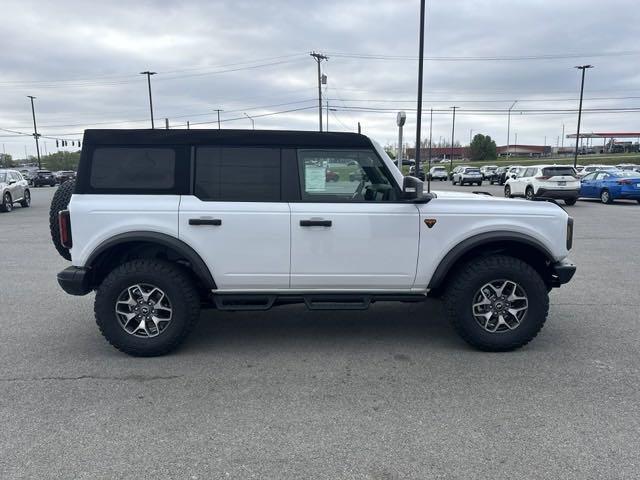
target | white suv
x=438, y=173
x=468, y=175
x=161, y=223
x=558, y=182
x=13, y=189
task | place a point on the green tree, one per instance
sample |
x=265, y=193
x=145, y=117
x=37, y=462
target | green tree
x=61, y=160
x=483, y=148
x=6, y=161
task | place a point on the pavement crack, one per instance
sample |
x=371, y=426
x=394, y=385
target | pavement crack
x=125, y=378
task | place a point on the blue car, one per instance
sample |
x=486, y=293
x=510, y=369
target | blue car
x=611, y=185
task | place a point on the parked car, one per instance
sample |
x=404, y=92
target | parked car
x=420, y=175
x=438, y=173
x=153, y=260
x=549, y=181
x=593, y=168
x=65, y=175
x=43, y=177
x=13, y=189
x=488, y=171
x=609, y=186
x=512, y=172
x=468, y=175
x=331, y=176
x=455, y=170
x=628, y=166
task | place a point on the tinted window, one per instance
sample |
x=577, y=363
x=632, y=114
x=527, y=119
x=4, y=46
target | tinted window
x=238, y=174
x=472, y=170
x=558, y=171
x=132, y=168
x=344, y=176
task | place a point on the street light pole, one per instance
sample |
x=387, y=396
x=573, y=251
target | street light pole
x=35, y=130
x=420, y=65
x=318, y=58
x=253, y=124
x=218, y=111
x=453, y=132
x=575, y=154
x=148, y=74
x=509, y=126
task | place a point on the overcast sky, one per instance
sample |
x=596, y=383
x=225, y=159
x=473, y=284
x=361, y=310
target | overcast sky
x=81, y=60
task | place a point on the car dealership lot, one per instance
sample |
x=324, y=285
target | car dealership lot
x=387, y=393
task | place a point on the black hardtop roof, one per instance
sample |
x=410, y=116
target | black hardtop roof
x=275, y=138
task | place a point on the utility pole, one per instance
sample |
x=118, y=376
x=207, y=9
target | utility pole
x=188, y=125
x=562, y=141
x=430, y=133
x=318, y=58
x=148, y=74
x=401, y=118
x=166, y=123
x=575, y=154
x=217, y=110
x=35, y=130
x=470, y=136
x=509, y=127
x=327, y=114
x=420, y=66
x=253, y=125
x=453, y=132
x=359, y=129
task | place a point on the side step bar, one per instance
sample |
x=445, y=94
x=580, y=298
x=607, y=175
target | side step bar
x=313, y=301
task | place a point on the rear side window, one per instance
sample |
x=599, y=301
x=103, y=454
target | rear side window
x=237, y=174
x=133, y=169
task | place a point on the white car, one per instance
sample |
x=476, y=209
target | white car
x=13, y=189
x=438, y=173
x=545, y=181
x=163, y=222
x=593, y=168
x=468, y=175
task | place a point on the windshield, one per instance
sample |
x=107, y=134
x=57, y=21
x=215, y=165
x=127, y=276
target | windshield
x=472, y=170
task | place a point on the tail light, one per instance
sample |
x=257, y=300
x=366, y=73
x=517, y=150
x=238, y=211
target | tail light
x=569, y=233
x=625, y=181
x=64, y=222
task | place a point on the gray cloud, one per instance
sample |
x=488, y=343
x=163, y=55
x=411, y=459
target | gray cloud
x=81, y=59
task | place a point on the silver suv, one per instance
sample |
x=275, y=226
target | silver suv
x=13, y=188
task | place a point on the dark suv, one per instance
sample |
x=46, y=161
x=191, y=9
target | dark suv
x=43, y=177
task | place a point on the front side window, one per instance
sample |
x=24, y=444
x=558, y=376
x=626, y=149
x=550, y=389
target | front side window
x=589, y=177
x=344, y=176
x=238, y=174
x=133, y=168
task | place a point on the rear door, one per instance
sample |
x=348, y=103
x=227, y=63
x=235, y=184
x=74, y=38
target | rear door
x=16, y=188
x=236, y=219
x=351, y=235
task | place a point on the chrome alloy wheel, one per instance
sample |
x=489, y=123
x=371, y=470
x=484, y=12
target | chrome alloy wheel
x=143, y=310
x=500, y=306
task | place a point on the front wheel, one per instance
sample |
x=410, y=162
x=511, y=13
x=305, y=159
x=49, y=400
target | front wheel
x=507, y=191
x=7, y=203
x=147, y=307
x=497, y=303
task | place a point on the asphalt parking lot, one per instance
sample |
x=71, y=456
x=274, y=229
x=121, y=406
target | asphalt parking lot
x=391, y=393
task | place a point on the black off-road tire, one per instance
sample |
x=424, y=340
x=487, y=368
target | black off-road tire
x=26, y=200
x=171, y=279
x=60, y=201
x=470, y=277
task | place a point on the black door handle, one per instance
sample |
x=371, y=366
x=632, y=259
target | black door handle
x=315, y=223
x=205, y=221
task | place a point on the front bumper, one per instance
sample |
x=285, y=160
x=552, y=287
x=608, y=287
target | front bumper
x=75, y=280
x=559, y=194
x=562, y=272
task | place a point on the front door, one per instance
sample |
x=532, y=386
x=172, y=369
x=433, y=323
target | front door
x=236, y=219
x=349, y=230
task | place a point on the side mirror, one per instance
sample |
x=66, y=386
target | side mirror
x=11, y=182
x=412, y=188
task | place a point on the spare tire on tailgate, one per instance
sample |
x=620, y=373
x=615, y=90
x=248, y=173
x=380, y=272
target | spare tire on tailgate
x=59, y=202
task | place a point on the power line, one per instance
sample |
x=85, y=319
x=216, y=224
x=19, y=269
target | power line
x=365, y=56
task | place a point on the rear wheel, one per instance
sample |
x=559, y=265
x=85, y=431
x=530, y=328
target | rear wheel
x=7, y=203
x=528, y=194
x=570, y=201
x=497, y=303
x=26, y=199
x=60, y=201
x=147, y=307
x=605, y=197
x=507, y=191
